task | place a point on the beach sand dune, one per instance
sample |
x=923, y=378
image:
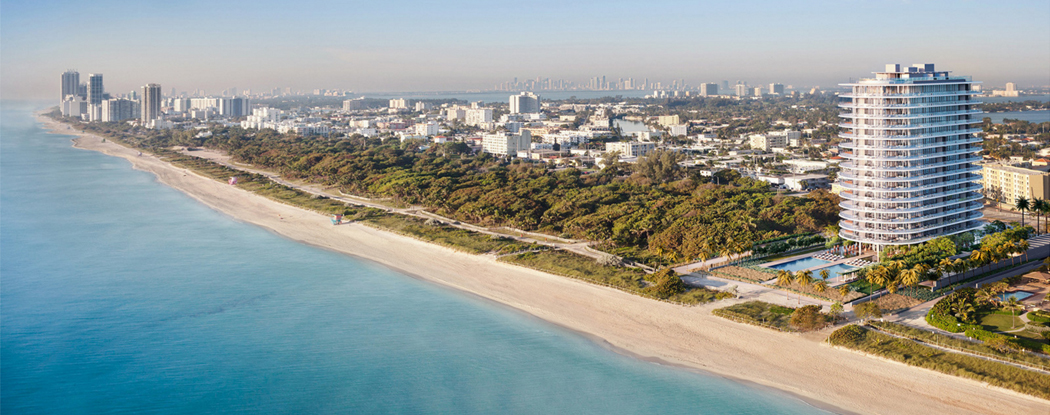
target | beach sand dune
x=839, y=380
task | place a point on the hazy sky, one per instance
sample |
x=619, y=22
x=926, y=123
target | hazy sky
x=388, y=45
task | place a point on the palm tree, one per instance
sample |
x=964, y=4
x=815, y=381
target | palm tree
x=1022, y=204
x=824, y=274
x=804, y=278
x=1005, y=250
x=1022, y=246
x=980, y=257
x=784, y=279
x=1046, y=212
x=1039, y=208
x=844, y=290
x=1013, y=304
x=820, y=287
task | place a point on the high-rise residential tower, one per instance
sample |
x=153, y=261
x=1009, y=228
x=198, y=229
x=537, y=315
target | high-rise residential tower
x=95, y=90
x=70, y=83
x=150, y=102
x=910, y=141
x=524, y=103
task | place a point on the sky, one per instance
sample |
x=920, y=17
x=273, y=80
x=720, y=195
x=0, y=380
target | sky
x=393, y=45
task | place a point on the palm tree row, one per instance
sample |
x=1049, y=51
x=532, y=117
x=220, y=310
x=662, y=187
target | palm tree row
x=894, y=274
x=1039, y=207
x=805, y=278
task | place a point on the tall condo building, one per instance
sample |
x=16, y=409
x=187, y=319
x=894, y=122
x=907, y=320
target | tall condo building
x=524, y=103
x=909, y=137
x=708, y=90
x=95, y=91
x=70, y=83
x=150, y=102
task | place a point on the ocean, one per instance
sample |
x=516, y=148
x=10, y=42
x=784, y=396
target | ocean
x=121, y=295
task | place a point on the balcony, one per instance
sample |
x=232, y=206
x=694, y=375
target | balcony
x=909, y=126
x=898, y=228
x=908, y=136
x=851, y=156
x=891, y=179
x=872, y=238
x=908, y=116
x=925, y=95
x=851, y=145
x=962, y=160
x=892, y=216
x=852, y=104
x=853, y=206
x=859, y=197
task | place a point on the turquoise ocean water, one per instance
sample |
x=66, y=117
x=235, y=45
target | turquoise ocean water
x=121, y=295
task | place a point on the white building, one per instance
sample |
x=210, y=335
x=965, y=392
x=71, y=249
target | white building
x=428, y=128
x=422, y=106
x=630, y=148
x=455, y=113
x=678, y=130
x=399, y=104
x=478, y=116
x=119, y=110
x=354, y=104
x=74, y=106
x=767, y=142
x=524, y=103
x=262, y=118
x=566, y=138
x=505, y=144
x=909, y=138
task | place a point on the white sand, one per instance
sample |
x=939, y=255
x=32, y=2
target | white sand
x=840, y=380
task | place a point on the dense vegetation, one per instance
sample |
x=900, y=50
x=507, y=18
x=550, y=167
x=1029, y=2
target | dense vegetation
x=759, y=313
x=1036, y=361
x=673, y=216
x=910, y=352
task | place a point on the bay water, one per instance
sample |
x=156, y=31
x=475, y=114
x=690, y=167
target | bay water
x=119, y=295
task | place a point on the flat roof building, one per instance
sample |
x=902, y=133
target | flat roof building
x=1015, y=182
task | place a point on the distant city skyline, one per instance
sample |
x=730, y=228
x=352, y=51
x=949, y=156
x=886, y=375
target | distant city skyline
x=458, y=46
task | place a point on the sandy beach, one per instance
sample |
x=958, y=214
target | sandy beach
x=839, y=380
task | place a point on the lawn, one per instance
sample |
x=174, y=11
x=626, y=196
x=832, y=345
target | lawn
x=758, y=313
x=1000, y=322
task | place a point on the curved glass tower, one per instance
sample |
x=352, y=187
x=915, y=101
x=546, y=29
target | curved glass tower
x=910, y=143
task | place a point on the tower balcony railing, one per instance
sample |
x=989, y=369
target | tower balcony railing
x=902, y=228
x=913, y=78
x=904, y=207
x=902, y=178
x=908, y=116
x=891, y=239
x=901, y=95
x=856, y=195
x=896, y=187
x=962, y=160
x=851, y=144
x=886, y=157
x=884, y=136
x=905, y=217
x=853, y=104
x=910, y=126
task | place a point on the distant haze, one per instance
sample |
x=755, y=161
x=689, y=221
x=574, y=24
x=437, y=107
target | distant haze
x=465, y=45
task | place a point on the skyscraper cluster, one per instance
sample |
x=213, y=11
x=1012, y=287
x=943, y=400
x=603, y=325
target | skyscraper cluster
x=90, y=101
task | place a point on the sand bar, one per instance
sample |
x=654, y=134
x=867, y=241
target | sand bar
x=835, y=379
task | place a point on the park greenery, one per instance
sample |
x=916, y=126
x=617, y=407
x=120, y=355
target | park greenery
x=911, y=352
x=669, y=213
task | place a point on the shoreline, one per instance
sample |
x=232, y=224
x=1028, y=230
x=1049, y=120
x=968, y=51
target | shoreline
x=666, y=334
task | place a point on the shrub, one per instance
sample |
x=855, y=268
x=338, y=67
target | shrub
x=808, y=318
x=1039, y=316
x=867, y=310
x=667, y=283
x=940, y=315
x=849, y=335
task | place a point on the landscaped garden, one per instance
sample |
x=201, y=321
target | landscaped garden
x=988, y=316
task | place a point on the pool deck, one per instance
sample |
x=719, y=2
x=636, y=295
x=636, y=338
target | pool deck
x=818, y=267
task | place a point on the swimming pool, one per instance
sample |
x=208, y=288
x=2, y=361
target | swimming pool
x=835, y=270
x=800, y=264
x=1019, y=295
